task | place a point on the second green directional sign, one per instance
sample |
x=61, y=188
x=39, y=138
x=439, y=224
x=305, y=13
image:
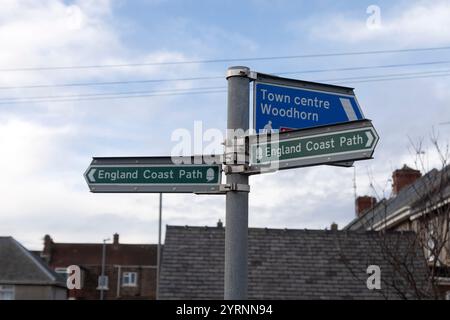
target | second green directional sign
x=151, y=174
x=345, y=142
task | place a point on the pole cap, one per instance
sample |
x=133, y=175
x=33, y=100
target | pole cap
x=238, y=71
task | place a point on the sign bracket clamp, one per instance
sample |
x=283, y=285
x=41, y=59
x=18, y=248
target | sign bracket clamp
x=224, y=188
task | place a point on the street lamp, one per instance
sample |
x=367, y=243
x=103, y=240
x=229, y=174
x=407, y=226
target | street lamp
x=102, y=277
x=158, y=258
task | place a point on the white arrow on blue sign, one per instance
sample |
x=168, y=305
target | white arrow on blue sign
x=286, y=104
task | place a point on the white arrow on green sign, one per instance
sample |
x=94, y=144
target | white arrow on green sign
x=151, y=174
x=323, y=145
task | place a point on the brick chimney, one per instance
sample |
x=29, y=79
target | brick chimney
x=404, y=177
x=364, y=203
x=116, y=239
x=47, y=252
x=334, y=226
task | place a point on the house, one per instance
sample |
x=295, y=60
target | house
x=130, y=269
x=24, y=276
x=290, y=264
x=420, y=204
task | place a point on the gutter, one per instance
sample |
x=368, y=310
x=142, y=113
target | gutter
x=393, y=218
x=428, y=210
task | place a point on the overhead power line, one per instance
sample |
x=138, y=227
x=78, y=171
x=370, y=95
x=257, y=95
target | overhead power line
x=87, y=84
x=112, y=97
x=125, y=95
x=385, y=75
x=396, y=78
x=143, y=81
x=12, y=99
x=269, y=58
x=383, y=66
x=105, y=83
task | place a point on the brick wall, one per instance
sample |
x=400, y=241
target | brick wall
x=144, y=289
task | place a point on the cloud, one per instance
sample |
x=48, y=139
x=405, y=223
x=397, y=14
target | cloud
x=421, y=23
x=57, y=32
x=46, y=147
x=302, y=198
x=43, y=191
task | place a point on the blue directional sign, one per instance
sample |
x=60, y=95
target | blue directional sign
x=281, y=107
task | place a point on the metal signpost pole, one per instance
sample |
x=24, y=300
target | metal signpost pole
x=236, y=222
x=158, y=270
x=103, y=283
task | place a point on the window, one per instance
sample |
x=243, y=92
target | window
x=448, y=242
x=102, y=283
x=6, y=292
x=63, y=273
x=447, y=295
x=431, y=242
x=129, y=279
x=430, y=246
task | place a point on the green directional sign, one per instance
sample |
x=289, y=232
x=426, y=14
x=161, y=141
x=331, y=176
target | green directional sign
x=345, y=142
x=151, y=175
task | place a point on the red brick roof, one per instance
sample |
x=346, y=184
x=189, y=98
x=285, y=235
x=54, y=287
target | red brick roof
x=65, y=254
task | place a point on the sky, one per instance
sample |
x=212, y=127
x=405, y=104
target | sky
x=46, y=146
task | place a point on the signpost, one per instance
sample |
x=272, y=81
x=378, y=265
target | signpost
x=285, y=104
x=151, y=175
x=236, y=202
x=315, y=124
x=300, y=148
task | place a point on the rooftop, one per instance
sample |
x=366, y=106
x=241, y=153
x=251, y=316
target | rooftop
x=284, y=263
x=64, y=254
x=432, y=187
x=20, y=266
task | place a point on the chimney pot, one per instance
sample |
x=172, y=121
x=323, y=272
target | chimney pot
x=363, y=204
x=219, y=224
x=116, y=239
x=403, y=178
x=47, y=251
x=48, y=239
